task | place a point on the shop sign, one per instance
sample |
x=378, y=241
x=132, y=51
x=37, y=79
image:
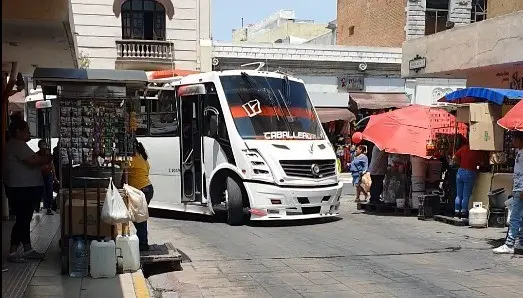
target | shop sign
x=512, y=80
x=417, y=63
x=355, y=82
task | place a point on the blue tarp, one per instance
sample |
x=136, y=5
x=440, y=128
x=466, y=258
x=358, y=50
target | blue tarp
x=477, y=94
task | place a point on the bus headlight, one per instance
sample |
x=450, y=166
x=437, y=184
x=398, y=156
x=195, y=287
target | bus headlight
x=258, y=166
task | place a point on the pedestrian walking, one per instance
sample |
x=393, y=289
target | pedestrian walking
x=514, y=230
x=358, y=167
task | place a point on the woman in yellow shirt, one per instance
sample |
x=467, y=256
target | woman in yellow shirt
x=138, y=175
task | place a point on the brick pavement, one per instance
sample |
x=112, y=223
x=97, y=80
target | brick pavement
x=361, y=255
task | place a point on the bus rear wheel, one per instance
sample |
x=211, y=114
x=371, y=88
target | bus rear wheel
x=234, y=203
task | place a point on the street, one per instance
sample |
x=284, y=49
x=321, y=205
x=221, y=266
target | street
x=356, y=255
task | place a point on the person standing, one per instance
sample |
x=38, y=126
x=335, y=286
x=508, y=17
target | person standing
x=23, y=178
x=358, y=167
x=515, y=228
x=468, y=161
x=49, y=175
x=138, y=175
x=377, y=169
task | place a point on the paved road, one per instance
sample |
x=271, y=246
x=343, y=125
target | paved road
x=360, y=255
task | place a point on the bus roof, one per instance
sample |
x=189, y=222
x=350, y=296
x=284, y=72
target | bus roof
x=214, y=75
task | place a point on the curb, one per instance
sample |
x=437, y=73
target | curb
x=140, y=285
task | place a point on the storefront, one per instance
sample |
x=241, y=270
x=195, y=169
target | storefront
x=34, y=33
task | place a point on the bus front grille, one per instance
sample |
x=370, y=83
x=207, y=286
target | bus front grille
x=304, y=168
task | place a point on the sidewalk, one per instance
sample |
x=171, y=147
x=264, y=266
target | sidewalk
x=43, y=278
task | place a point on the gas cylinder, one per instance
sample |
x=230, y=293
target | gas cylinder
x=478, y=216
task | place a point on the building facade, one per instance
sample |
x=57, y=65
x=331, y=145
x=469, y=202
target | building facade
x=143, y=34
x=370, y=75
x=377, y=23
x=489, y=53
x=392, y=22
x=280, y=27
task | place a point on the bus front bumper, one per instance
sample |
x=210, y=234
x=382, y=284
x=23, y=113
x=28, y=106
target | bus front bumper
x=272, y=202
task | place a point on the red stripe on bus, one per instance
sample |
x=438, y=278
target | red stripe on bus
x=268, y=111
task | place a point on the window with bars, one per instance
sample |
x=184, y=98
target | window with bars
x=436, y=16
x=478, y=11
x=143, y=20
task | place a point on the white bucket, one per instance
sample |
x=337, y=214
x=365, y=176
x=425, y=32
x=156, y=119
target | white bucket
x=414, y=201
x=418, y=183
x=400, y=203
x=419, y=166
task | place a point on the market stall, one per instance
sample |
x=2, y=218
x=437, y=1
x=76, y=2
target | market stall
x=417, y=138
x=481, y=108
x=96, y=132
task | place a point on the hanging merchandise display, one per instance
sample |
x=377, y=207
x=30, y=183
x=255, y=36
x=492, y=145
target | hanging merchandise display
x=92, y=131
x=96, y=129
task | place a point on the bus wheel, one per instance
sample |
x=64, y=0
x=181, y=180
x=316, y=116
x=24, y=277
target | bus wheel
x=234, y=203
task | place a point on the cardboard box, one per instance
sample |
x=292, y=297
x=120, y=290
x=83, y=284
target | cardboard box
x=484, y=112
x=78, y=219
x=463, y=114
x=487, y=136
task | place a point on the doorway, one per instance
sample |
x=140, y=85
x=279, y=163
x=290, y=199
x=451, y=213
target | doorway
x=191, y=149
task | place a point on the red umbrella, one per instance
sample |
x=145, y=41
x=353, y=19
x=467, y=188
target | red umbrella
x=408, y=130
x=513, y=120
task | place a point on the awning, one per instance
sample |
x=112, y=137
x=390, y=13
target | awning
x=167, y=4
x=129, y=78
x=376, y=101
x=333, y=114
x=477, y=94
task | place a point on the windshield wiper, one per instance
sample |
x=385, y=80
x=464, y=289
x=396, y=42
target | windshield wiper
x=285, y=96
x=254, y=85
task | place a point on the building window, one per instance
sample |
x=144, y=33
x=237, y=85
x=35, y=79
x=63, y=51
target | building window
x=436, y=16
x=479, y=11
x=143, y=19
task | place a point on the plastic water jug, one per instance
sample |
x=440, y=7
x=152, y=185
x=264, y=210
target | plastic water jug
x=129, y=248
x=78, y=259
x=103, y=259
x=478, y=216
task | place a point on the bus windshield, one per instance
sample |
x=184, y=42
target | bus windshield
x=271, y=108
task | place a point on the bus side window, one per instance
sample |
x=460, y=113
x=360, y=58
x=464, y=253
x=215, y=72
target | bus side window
x=163, y=120
x=139, y=106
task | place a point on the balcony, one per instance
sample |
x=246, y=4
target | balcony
x=144, y=54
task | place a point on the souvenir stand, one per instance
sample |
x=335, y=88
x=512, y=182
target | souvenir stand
x=417, y=139
x=95, y=109
x=481, y=109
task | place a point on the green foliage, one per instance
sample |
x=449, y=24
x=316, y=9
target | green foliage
x=84, y=61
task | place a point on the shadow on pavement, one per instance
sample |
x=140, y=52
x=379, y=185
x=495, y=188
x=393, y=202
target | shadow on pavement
x=221, y=218
x=168, y=214
x=495, y=242
x=293, y=223
x=383, y=214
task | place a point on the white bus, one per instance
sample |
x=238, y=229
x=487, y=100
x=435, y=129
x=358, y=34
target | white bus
x=244, y=142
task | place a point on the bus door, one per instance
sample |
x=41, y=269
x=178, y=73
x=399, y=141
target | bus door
x=190, y=111
x=43, y=109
